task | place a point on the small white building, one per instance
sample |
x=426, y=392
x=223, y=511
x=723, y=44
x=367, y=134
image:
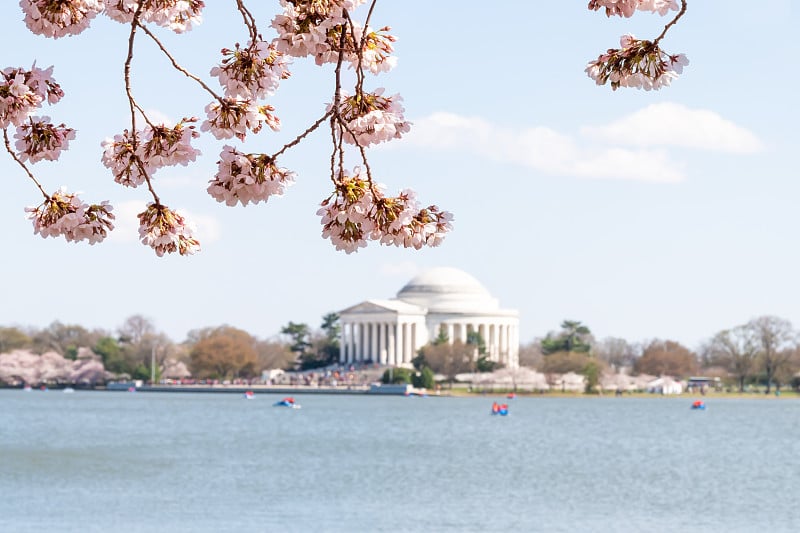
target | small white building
x=447, y=300
x=665, y=385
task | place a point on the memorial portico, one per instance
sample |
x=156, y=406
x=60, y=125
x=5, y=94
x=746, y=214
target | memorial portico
x=440, y=301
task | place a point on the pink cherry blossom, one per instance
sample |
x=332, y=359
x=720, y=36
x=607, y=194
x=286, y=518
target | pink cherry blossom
x=626, y=8
x=372, y=118
x=38, y=139
x=64, y=214
x=161, y=145
x=359, y=211
x=120, y=155
x=177, y=15
x=233, y=117
x=253, y=72
x=23, y=91
x=166, y=231
x=638, y=63
x=58, y=18
x=244, y=178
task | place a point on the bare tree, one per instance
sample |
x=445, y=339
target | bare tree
x=135, y=328
x=225, y=352
x=735, y=349
x=616, y=352
x=776, y=339
x=667, y=358
x=530, y=355
x=64, y=339
x=450, y=359
x=274, y=354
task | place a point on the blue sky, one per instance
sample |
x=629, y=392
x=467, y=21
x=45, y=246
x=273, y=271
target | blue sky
x=668, y=214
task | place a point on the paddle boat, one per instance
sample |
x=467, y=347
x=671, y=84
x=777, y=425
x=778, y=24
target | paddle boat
x=287, y=402
x=249, y=395
x=698, y=404
x=500, y=409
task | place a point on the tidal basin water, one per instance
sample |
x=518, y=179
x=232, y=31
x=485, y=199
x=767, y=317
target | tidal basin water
x=187, y=462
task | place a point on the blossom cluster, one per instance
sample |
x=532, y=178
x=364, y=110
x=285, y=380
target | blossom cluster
x=244, y=178
x=60, y=18
x=132, y=158
x=177, y=15
x=637, y=63
x=38, y=139
x=626, y=8
x=372, y=118
x=65, y=214
x=23, y=91
x=251, y=72
x=358, y=211
x=166, y=231
x=314, y=28
x=246, y=75
x=232, y=117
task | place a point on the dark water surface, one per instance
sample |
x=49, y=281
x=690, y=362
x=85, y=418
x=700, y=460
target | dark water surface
x=186, y=462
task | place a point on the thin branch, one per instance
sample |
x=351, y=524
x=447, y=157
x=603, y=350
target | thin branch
x=177, y=66
x=303, y=135
x=249, y=21
x=672, y=22
x=23, y=165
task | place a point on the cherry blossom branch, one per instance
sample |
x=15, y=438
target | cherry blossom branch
x=132, y=102
x=303, y=135
x=672, y=22
x=23, y=165
x=249, y=20
x=177, y=66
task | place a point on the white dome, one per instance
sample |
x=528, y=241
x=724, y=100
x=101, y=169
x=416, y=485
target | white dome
x=447, y=289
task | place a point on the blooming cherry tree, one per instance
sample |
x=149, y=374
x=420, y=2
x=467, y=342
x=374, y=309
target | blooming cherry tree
x=358, y=210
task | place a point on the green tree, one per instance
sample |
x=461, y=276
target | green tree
x=592, y=373
x=111, y=353
x=442, y=337
x=328, y=351
x=299, y=335
x=423, y=379
x=476, y=339
x=573, y=337
x=396, y=376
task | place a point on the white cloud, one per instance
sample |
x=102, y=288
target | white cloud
x=543, y=149
x=126, y=224
x=670, y=124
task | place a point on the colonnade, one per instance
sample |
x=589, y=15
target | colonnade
x=501, y=337
x=386, y=343
x=396, y=342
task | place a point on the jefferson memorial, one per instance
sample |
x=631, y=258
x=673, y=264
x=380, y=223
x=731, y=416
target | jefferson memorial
x=448, y=300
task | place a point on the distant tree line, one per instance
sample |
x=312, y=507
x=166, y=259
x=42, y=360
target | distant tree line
x=763, y=352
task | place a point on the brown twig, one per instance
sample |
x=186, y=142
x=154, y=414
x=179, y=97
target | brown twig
x=176, y=65
x=23, y=165
x=671, y=23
